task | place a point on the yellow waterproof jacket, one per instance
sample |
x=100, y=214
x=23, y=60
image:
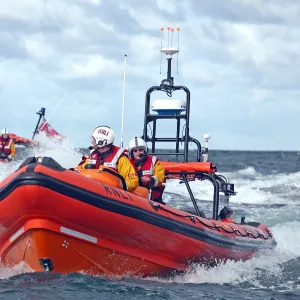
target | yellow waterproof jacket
x=125, y=169
x=151, y=167
x=159, y=173
x=8, y=147
x=13, y=149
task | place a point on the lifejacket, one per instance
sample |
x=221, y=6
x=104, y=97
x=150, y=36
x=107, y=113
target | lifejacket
x=108, y=159
x=5, y=146
x=147, y=169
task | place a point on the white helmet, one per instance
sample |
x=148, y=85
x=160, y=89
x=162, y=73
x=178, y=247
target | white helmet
x=103, y=136
x=4, y=131
x=137, y=143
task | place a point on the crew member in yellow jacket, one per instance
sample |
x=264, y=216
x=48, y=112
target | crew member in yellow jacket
x=108, y=155
x=150, y=172
x=7, y=146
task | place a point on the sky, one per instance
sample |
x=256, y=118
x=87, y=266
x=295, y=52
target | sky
x=239, y=58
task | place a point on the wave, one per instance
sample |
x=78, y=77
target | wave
x=264, y=270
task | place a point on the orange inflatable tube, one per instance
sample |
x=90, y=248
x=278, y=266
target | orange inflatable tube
x=204, y=167
x=110, y=179
x=22, y=141
x=102, y=176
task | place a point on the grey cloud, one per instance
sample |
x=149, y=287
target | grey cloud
x=150, y=5
x=9, y=49
x=286, y=79
x=117, y=17
x=94, y=39
x=239, y=11
x=224, y=96
x=15, y=25
x=84, y=84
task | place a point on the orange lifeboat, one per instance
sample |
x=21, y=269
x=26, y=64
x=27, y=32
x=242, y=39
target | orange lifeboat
x=57, y=220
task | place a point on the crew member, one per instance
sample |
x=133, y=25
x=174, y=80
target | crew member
x=150, y=172
x=108, y=155
x=7, y=146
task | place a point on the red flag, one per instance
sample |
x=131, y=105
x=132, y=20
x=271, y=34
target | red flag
x=49, y=131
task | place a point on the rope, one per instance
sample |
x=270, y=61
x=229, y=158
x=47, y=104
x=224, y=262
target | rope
x=217, y=227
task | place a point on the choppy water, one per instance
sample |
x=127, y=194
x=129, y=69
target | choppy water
x=268, y=186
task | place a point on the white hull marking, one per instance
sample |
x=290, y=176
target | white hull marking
x=17, y=234
x=78, y=234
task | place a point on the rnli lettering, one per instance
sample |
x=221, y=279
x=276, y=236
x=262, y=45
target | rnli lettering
x=132, y=175
x=107, y=188
x=125, y=195
x=102, y=131
x=113, y=191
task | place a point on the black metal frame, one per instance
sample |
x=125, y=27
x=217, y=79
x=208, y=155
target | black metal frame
x=219, y=181
x=169, y=89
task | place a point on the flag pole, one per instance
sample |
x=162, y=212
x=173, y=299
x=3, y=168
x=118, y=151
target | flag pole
x=41, y=114
x=123, y=102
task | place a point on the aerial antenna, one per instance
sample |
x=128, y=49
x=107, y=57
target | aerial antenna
x=172, y=30
x=161, y=39
x=178, y=29
x=169, y=51
x=123, y=101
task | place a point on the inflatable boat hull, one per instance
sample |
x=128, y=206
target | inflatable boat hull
x=57, y=220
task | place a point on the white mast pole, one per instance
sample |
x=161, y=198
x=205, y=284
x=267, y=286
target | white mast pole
x=123, y=101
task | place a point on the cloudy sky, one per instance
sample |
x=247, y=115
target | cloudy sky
x=239, y=58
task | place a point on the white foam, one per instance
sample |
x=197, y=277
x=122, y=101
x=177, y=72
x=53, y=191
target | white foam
x=64, y=153
x=20, y=268
x=287, y=236
x=251, y=187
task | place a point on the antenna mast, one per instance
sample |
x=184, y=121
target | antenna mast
x=169, y=51
x=123, y=101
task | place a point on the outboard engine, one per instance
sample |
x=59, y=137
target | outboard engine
x=225, y=187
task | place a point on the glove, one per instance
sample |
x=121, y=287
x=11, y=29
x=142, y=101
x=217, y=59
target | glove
x=148, y=181
x=145, y=180
x=152, y=181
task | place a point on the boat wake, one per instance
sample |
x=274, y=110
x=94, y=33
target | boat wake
x=265, y=270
